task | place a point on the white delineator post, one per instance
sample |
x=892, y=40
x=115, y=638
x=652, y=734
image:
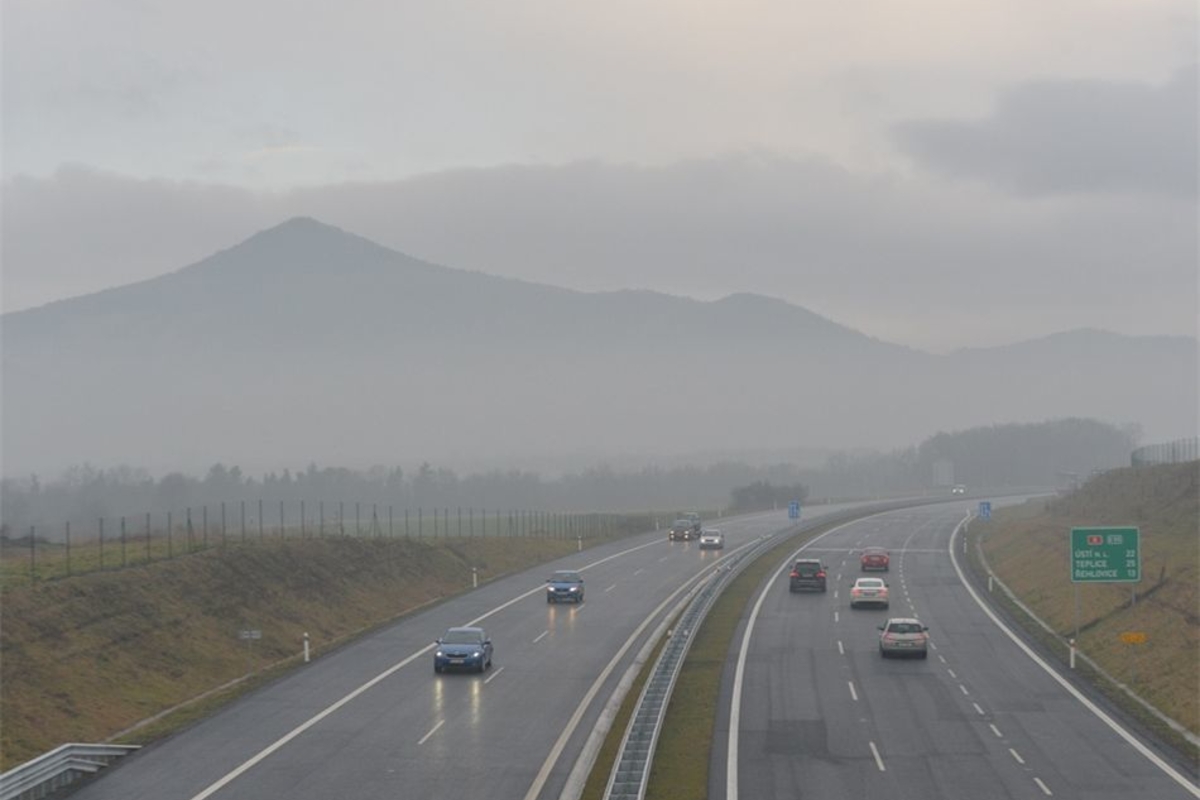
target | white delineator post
x=306, y=647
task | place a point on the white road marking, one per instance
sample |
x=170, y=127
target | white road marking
x=853, y=694
x=1063, y=682
x=495, y=672
x=878, y=760
x=952, y=675
x=541, y=636
x=1016, y=755
x=638, y=571
x=1045, y=789
x=964, y=689
x=609, y=589
x=299, y=729
x=839, y=577
x=664, y=558
x=996, y=730
x=941, y=657
x=841, y=650
x=425, y=738
x=978, y=709
x=934, y=646
x=835, y=616
x=835, y=594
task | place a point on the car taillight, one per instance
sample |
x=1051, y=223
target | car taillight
x=820, y=574
x=794, y=574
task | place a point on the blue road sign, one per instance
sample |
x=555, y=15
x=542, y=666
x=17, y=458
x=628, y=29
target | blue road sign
x=794, y=510
x=985, y=509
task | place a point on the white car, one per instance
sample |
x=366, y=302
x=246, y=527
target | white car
x=869, y=592
x=959, y=488
x=903, y=636
x=711, y=539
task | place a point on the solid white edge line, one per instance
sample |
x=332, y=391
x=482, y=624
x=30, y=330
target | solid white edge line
x=425, y=738
x=878, y=760
x=246, y=765
x=1053, y=673
x=739, y=672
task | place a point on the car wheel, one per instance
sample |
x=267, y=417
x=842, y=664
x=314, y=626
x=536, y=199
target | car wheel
x=437, y=670
x=924, y=654
x=882, y=653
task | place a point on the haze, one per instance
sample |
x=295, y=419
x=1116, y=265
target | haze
x=936, y=175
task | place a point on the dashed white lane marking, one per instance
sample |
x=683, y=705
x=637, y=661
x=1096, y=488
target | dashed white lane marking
x=835, y=616
x=1045, y=789
x=839, y=577
x=835, y=594
x=609, y=589
x=841, y=650
x=878, y=760
x=425, y=738
x=964, y=689
x=664, y=558
x=952, y=675
x=1016, y=755
x=934, y=646
x=941, y=657
x=996, y=731
x=978, y=710
x=541, y=636
x=853, y=693
x=495, y=672
x=638, y=571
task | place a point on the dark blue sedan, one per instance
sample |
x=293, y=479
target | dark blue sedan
x=564, y=585
x=463, y=648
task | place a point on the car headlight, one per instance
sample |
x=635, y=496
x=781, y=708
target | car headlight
x=439, y=654
x=476, y=654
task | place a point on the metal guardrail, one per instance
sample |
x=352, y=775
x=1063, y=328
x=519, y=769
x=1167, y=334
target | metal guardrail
x=60, y=767
x=631, y=771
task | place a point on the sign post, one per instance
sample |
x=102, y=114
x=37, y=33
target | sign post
x=250, y=636
x=1104, y=555
x=985, y=509
x=794, y=509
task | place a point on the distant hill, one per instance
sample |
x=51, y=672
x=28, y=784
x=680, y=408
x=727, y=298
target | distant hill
x=309, y=343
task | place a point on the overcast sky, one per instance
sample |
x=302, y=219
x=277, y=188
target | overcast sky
x=937, y=173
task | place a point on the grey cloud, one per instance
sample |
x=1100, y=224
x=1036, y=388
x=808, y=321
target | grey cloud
x=915, y=262
x=1055, y=137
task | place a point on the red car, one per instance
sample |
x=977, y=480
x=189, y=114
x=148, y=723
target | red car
x=875, y=558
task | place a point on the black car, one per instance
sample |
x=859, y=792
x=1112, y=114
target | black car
x=807, y=573
x=683, y=529
x=564, y=585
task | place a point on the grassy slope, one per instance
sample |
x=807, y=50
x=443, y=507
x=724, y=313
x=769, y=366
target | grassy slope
x=85, y=657
x=1028, y=549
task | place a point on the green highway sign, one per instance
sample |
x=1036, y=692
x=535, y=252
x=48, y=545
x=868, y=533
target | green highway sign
x=1105, y=555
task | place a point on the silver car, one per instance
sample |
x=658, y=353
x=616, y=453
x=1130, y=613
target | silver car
x=904, y=636
x=711, y=539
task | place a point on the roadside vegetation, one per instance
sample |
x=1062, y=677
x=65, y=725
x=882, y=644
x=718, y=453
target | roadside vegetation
x=86, y=657
x=1028, y=549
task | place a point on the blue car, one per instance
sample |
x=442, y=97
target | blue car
x=463, y=648
x=564, y=585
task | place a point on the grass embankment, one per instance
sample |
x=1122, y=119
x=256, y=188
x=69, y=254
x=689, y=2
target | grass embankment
x=681, y=760
x=83, y=658
x=1028, y=548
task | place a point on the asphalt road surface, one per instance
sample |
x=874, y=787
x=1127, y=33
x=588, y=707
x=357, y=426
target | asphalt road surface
x=372, y=720
x=822, y=715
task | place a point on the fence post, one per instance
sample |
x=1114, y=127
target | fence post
x=420, y=522
x=280, y=519
x=204, y=523
x=357, y=525
x=190, y=531
x=170, y=548
x=223, y=529
x=391, y=533
x=32, y=554
x=243, y=522
x=460, y=522
x=406, y=534
x=303, y=533
x=102, y=543
x=68, y=549
x=122, y=542
x=342, y=517
x=148, y=556
x=261, y=524
x=321, y=512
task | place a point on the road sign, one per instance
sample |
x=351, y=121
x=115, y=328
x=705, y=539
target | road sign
x=1105, y=555
x=794, y=510
x=250, y=635
x=985, y=509
x=1134, y=637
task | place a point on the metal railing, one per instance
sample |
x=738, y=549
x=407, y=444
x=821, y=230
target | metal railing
x=1175, y=452
x=60, y=767
x=631, y=770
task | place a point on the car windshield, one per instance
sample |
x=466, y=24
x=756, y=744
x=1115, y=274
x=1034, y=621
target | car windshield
x=876, y=551
x=870, y=583
x=904, y=627
x=683, y=523
x=462, y=637
x=807, y=568
x=566, y=577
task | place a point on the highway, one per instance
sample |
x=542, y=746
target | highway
x=373, y=720
x=811, y=710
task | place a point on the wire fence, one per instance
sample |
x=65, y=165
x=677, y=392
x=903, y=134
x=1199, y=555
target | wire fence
x=124, y=542
x=1175, y=452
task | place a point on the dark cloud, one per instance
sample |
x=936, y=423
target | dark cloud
x=1056, y=137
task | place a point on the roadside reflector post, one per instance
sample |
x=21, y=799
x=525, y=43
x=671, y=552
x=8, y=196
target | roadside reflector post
x=579, y=539
x=1072, y=642
x=990, y=578
x=306, y=647
x=474, y=577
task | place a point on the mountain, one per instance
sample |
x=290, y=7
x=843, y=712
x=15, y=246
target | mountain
x=306, y=343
